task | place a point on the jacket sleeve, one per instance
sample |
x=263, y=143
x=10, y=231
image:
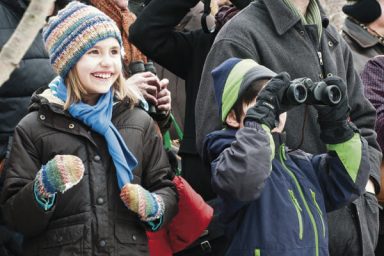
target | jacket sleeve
x=373, y=88
x=17, y=195
x=240, y=171
x=206, y=108
x=343, y=172
x=363, y=115
x=154, y=34
x=157, y=174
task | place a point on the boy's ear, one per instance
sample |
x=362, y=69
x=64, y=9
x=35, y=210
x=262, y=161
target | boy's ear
x=231, y=120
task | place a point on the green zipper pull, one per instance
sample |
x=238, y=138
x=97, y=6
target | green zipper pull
x=318, y=210
x=282, y=152
x=298, y=211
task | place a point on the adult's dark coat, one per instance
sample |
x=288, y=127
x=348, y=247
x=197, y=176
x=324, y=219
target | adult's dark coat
x=363, y=45
x=182, y=53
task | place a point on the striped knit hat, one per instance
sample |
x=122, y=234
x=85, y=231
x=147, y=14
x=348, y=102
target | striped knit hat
x=73, y=31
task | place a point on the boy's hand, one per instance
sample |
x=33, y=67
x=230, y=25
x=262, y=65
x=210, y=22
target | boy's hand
x=333, y=120
x=269, y=103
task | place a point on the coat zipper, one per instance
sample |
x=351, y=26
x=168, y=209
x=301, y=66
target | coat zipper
x=318, y=210
x=298, y=211
x=320, y=55
x=312, y=219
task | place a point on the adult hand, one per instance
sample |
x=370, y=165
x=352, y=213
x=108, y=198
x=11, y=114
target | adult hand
x=148, y=84
x=164, y=97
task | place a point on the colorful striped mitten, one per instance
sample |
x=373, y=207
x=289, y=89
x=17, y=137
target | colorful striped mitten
x=58, y=175
x=147, y=205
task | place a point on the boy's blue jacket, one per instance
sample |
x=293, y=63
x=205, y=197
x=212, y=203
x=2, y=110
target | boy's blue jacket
x=275, y=201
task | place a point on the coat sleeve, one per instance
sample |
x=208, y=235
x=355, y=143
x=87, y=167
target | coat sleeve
x=240, y=171
x=207, y=118
x=343, y=172
x=154, y=34
x=157, y=174
x=17, y=197
x=374, y=90
x=363, y=115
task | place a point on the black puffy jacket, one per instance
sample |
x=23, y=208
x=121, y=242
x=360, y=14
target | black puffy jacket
x=90, y=218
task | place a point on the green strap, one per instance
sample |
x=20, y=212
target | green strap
x=167, y=141
x=177, y=127
x=167, y=136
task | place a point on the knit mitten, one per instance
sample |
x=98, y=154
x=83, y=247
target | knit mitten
x=147, y=205
x=58, y=175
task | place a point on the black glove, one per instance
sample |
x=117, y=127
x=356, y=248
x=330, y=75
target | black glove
x=269, y=103
x=333, y=119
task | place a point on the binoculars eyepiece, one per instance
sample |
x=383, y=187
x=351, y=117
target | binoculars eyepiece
x=139, y=66
x=304, y=90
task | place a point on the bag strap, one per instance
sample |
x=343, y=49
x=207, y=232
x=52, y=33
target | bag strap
x=167, y=136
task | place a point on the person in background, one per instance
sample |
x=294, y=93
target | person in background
x=363, y=30
x=372, y=76
x=295, y=36
x=86, y=163
x=182, y=53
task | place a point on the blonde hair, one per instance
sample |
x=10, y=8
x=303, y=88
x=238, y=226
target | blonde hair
x=75, y=90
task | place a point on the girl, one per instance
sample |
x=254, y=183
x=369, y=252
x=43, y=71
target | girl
x=85, y=137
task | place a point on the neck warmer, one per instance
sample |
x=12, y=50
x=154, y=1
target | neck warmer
x=98, y=118
x=313, y=15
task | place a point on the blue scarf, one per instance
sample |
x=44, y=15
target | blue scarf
x=98, y=118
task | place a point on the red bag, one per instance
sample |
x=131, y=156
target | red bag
x=192, y=219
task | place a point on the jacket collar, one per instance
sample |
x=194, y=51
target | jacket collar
x=282, y=17
x=359, y=35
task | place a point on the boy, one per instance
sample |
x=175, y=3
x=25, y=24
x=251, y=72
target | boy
x=275, y=199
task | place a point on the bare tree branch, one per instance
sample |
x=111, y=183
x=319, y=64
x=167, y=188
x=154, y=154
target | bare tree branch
x=15, y=48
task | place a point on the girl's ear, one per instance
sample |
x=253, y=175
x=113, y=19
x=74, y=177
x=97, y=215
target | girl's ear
x=231, y=120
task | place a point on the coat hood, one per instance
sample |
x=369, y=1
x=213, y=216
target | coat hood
x=44, y=96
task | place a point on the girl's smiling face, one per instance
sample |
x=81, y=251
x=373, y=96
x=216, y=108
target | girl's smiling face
x=99, y=68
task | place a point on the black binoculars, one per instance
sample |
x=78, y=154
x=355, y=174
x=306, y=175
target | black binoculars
x=304, y=90
x=138, y=67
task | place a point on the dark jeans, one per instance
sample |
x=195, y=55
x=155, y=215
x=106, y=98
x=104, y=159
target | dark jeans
x=354, y=229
